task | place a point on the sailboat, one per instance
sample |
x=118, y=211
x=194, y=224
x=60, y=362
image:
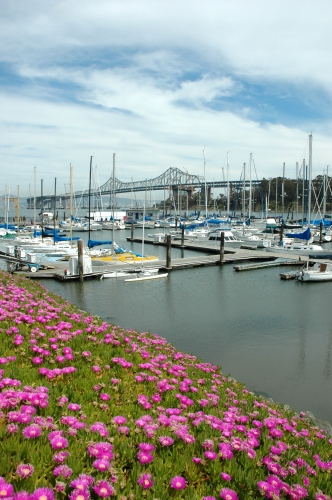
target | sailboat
x=146, y=274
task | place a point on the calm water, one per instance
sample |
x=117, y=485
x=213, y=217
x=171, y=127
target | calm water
x=273, y=335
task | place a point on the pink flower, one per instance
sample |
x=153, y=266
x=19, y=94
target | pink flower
x=119, y=420
x=178, y=483
x=146, y=481
x=144, y=457
x=211, y=455
x=63, y=470
x=43, y=494
x=74, y=407
x=228, y=494
x=24, y=470
x=104, y=396
x=146, y=447
x=122, y=429
x=225, y=476
x=32, y=431
x=6, y=489
x=166, y=440
x=80, y=495
x=61, y=456
x=59, y=442
x=101, y=465
x=103, y=489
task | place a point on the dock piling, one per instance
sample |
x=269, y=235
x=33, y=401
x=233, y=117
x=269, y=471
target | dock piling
x=182, y=236
x=222, y=247
x=168, y=252
x=80, y=259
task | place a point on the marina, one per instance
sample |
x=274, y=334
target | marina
x=263, y=327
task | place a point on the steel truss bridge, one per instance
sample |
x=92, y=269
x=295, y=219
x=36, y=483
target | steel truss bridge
x=173, y=179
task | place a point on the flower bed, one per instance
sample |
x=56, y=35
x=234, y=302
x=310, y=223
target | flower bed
x=89, y=410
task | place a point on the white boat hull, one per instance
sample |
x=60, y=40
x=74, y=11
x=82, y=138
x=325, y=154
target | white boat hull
x=148, y=277
x=315, y=271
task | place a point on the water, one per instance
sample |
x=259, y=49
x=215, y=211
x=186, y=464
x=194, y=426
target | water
x=273, y=335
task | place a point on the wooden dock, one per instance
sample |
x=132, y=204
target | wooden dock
x=258, y=259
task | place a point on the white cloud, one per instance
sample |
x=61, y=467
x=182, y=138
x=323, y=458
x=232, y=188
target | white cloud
x=142, y=79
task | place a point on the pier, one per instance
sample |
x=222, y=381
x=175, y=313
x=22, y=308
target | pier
x=258, y=260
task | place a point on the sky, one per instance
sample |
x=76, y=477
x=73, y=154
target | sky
x=162, y=84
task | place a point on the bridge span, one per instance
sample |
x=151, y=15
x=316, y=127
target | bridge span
x=172, y=179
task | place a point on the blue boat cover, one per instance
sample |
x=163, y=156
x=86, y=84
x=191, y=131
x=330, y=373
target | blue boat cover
x=95, y=243
x=64, y=238
x=301, y=236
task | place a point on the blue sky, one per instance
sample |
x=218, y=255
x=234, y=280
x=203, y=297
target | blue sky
x=157, y=82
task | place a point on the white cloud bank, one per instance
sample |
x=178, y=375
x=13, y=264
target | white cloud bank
x=159, y=81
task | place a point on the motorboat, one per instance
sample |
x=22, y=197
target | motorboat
x=315, y=271
x=229, y=239
x=147, y=274
x=298, y=249
x=256, y=240
x=113, y=225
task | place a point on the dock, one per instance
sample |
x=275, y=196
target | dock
x=249, y=258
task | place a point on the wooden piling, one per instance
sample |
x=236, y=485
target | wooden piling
x=132, y=232
x=320, y=232
x=222, y=247
x=168, y=251
x=80, y=259
x=281, y=235
x=182, y=235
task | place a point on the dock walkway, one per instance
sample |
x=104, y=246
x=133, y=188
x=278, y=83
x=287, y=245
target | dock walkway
x=258, y=259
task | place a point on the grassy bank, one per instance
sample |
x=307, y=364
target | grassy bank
x=89, y=410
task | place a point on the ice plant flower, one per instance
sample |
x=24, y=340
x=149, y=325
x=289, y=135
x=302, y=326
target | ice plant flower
x=63, y=470
x=178, y=483
x=59, y=442
x=146, y=481
x=6, y=489
x=144, y=457
x=103, y=489
x=32, y=431
x=228, y=494
x=43, y=494
x=79, y=495
x=25, y=470
x=166, y=440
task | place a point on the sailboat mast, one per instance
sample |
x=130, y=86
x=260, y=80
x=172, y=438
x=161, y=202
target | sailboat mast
x=205, y=196
x=244, y=192
x=283, y=189
x=143, y=222
x=113, y=189
x=54, y=209
x=71, y=202
x=34, y=198
x=90, y=195
x=227, y=173
x=297, y=191
x=42, y=207
x=18, y=205
x=303, y=192
x=310, y=177
x=250, y=187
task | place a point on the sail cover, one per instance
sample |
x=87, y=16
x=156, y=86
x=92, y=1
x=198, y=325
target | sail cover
x=64, y=238
x=300, y=236
x=95, y=243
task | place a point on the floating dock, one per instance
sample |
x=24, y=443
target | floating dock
x=259, y=259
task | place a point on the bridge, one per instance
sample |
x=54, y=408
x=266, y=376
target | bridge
x=172, y=179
